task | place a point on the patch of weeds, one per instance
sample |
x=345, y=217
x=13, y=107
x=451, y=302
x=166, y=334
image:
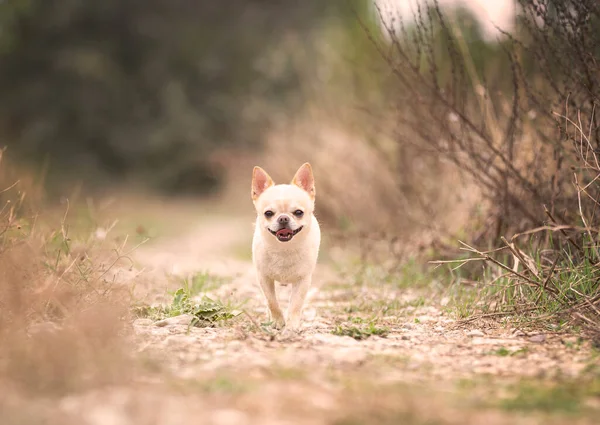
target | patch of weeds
x=362, y=332
x=575, y=345
x=561, y=324
x=505, y=352
x=536, y=276
x=464, y=308
x=417, y=320
x=463, y=301
x=520, y=352
x=206, y=312
x=267, y=326
x=502, y=352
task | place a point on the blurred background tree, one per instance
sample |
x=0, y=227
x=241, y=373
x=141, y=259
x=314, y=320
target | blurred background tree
x=147, y=90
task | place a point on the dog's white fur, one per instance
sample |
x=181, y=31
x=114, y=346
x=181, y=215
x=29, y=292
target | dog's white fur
x=289, y=262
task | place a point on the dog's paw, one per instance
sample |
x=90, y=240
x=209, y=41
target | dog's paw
x=294, y=323
x=288, y=334
x=278, y=323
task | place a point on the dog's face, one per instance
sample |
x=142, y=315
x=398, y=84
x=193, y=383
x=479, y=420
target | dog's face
x=284, y=210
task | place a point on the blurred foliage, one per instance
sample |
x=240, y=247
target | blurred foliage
x=148, y=89
x=542, y=32
x=509, y=112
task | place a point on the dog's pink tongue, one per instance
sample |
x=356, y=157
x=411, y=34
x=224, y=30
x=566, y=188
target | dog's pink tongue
x=284, y=232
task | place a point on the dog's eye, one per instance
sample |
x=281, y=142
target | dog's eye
x=269, y=214
x=298, y=213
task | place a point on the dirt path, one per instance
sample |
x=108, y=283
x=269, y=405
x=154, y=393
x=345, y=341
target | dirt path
x=242, y=372
x=369, y=353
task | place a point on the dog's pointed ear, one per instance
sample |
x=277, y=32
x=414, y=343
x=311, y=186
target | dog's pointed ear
x=304, y=179
x=261, y=181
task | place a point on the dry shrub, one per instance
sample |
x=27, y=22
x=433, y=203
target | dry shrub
x=61, y=312
x=520, y=117
x=549, y=273
x=490, y=108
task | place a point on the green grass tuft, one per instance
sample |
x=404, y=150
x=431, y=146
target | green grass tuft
x=206, y=312
x=534, y=285
x=360, y=332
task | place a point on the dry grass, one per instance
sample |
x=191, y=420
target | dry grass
x=549, y=273
x=62, y=311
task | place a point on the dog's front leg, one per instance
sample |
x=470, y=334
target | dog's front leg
x=299, y=291
x=268, y=288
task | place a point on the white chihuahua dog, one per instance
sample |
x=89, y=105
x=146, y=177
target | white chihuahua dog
x=286, y=240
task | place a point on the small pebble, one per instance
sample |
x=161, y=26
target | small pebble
x=539, y=338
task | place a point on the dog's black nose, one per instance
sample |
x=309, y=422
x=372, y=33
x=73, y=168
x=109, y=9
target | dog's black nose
x=284, y=219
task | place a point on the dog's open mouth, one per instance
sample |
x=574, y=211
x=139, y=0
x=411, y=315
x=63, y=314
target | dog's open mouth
x=285, y=235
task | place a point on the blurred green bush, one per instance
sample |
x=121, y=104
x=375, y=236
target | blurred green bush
x=148, y=89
